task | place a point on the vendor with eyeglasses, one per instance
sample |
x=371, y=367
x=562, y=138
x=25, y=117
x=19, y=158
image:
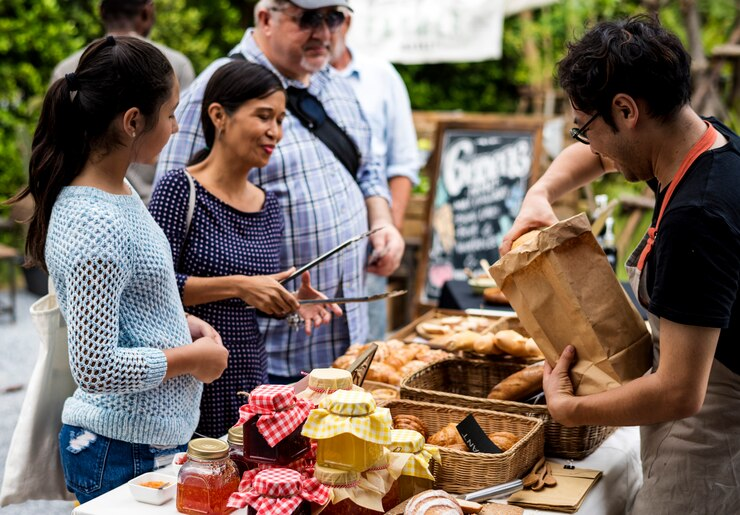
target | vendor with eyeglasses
x=629, y=84
x=327, y=195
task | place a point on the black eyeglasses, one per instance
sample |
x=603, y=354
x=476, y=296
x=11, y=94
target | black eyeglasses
x=580, y=134
x=313, y=18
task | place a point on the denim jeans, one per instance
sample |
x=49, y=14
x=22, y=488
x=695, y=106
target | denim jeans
x=94, y=464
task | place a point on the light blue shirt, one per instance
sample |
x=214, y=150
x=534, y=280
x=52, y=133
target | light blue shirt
x=385, y=101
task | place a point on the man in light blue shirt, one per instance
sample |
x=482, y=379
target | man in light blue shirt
x=385, y=101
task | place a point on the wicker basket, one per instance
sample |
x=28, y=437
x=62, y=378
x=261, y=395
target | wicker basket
x=462, y=472
x=466, y=383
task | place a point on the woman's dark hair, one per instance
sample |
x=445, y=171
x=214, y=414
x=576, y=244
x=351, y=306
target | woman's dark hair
x=114, y=75
x=231, y=86
x=637, y=57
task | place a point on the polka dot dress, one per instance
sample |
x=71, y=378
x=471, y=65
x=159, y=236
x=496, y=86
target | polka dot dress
x=222, y=241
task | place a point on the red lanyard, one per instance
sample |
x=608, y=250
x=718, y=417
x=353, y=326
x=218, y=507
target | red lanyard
x=701, y=146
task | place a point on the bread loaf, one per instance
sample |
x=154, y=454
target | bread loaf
x=519, y=385
x=462, y=341
x=433, y=502
x=486, y=344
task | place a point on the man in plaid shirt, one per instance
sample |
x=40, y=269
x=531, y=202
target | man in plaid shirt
x=323, y=205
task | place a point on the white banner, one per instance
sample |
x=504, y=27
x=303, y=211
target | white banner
x=428, y=31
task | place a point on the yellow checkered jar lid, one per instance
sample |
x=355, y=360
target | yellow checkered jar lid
x=406, y=440
x=351, y=412
x=411, y=444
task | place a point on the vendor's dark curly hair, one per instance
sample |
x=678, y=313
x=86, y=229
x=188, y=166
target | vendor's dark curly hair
x=637, y=57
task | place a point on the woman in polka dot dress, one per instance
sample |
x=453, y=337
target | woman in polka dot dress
x=229, y=255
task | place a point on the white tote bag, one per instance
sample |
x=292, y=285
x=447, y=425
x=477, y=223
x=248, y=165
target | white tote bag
x=33, y=469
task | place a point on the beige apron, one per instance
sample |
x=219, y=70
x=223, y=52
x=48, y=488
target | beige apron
x=690, y=465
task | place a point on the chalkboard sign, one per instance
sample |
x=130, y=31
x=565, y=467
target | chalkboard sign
x=480, y=173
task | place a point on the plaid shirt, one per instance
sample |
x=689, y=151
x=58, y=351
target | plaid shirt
x=323, y=206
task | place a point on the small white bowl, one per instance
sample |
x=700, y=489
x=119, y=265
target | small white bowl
x=151, y=495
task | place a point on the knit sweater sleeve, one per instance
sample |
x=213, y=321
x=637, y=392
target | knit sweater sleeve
x=95, y=280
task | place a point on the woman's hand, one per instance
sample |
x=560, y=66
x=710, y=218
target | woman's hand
x=209, y=359
x=265, y=293
x=558, y=387
x=314, y=315
x=200, y=328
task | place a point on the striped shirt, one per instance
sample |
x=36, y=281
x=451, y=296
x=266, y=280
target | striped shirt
x=322, y=205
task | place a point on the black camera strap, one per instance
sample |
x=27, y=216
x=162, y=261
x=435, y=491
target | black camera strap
x=308, y=109
x=312, y=115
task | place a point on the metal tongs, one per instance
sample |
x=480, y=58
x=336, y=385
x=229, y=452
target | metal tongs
x=330, y=253
x=346, y=300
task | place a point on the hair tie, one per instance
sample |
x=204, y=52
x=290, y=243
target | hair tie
x=110, y=40
x=72, y=82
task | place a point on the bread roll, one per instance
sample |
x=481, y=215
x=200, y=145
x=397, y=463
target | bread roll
x=504, y=440
x=433, y=502
x=410, y=422
x=383, y=373
x=446, y=436
x=524, y=238
x=520, y=385
x=429, y=330
x=462, y=341
x=384, y=394
x=511, y=342
x=486, y=344
x=411, y=367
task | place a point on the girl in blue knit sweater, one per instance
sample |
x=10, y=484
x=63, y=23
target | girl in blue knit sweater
x=139, y=363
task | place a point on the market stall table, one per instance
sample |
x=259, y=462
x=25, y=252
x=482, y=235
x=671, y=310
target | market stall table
x=618, y=458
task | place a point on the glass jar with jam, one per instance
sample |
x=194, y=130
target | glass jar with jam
x=284, y=491
x=383, y=476
x=351, y=493
x=273, y=420
x=350, y=430
x=325, y=381
x=416, y=475
x=236, y=449
x=207, y=479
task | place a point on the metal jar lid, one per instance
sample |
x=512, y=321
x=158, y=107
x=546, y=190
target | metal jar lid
x=208, y=449
x=236, y=435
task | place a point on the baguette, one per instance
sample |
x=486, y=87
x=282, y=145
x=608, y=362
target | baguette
x=520, y=385
x=511, y=342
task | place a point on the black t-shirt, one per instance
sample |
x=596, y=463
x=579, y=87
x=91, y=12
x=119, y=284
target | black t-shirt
x=693, y=272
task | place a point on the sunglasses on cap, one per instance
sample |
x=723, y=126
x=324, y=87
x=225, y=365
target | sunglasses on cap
x=313, y=18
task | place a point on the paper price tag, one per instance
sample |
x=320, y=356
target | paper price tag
x=475, y=437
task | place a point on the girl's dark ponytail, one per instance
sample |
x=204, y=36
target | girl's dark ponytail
x=114, y=75
x=231, y=86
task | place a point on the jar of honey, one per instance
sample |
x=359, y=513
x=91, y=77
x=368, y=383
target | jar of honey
x=273, y=420
x=351, y=493
x=415, y=475
x=207, y=479
x=325, y=381
x=350, y=430
x=236, y=449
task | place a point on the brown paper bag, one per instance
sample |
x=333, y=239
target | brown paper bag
x=565, y=292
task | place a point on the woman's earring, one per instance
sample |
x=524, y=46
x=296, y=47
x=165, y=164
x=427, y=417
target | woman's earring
x=133, y=134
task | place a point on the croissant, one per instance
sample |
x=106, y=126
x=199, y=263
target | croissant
x=410, y=422
x=446, y=436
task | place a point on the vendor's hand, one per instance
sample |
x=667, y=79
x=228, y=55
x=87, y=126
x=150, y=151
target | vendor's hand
x=536, y=212
x=314, y=315
x=209, y=359
x=388, y=246
x=265, y=293
x=558, y=387
x=200, y=328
